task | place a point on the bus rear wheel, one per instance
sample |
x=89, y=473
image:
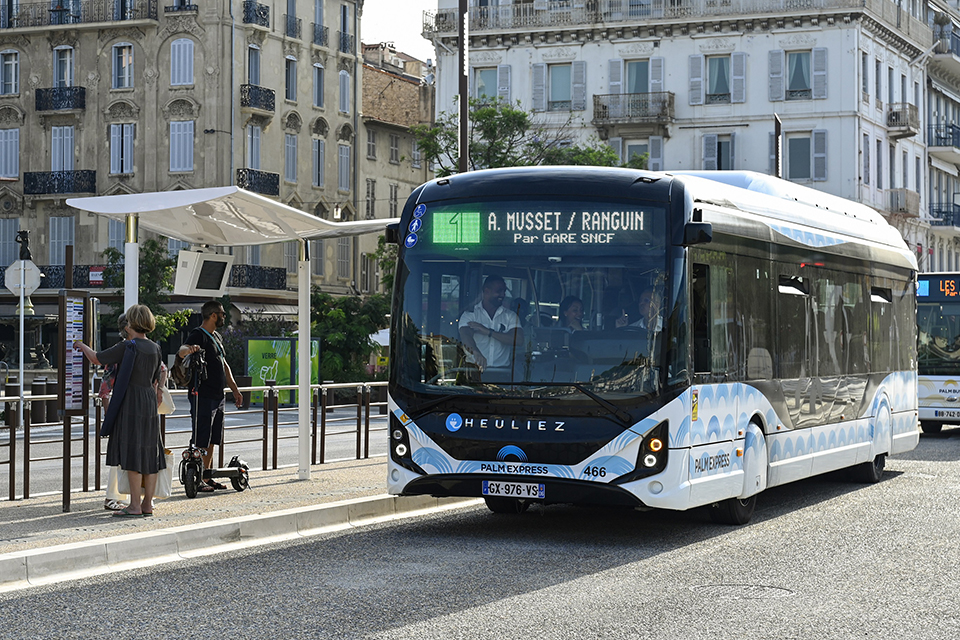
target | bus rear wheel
x=733, y=510
x=870, y=472
x=930, y=427
x=506, y=505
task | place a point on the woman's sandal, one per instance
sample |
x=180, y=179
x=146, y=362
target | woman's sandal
x=216, y=485
x=125, y=513
x=113, y=505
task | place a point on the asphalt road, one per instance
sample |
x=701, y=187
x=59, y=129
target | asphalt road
x=823, y=558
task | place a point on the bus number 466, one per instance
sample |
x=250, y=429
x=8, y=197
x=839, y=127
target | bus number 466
x=596, y=472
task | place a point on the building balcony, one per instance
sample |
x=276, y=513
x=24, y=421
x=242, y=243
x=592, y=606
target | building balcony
x=944, y=215
x=321, y=35
x=346, y=42
x=946, y=55
x=59, y=182
x=74, y=12
x=633, y=108
x=257, y=98
x=580, y=15
x=904, y=202
x=903, y=120
x=292, y=26
x=262, y=182
x=943, y=142
x=249, y=276
x=255, y=13
x=61, y=99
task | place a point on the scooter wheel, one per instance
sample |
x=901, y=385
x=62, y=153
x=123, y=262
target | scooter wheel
x=242, y=480
x=191, y=482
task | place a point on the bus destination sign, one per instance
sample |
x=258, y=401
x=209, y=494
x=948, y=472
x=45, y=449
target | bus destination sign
x=938, y=287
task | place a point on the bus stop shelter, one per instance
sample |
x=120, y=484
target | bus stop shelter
x=228, y=217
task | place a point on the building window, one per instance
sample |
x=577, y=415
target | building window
x=415, y=156
x=10, y=79
x=253, y=65
x=318, y=85
x=181, y=145
x=394, y=200
x=61, y=148
x=290, y=157
x=61, y=234
x=63, y=67
x=344, y=92
x=9, y=249
x=316, y=257
x=486, y=83
x=290, y=254
x=866, y=159
x=879, y=164
x=174, y=247
x=116, y=234
x=367, y=267
x=121, y=148
x=10, y=153
x=122, y=66
x=799, y=86
x=253, y=147
x=806, y=156
x=372, y=144
x=718, y=79
x=917, y=176
x=181, y=62
x=559, y=83
x=343, y=167
x=877, y=83
x=718, y=152
x=394, y=148
x=638, y=76
x=343, y=258
x=865, y=76
x=319, y=159
x=290, y=92
x=371, y=200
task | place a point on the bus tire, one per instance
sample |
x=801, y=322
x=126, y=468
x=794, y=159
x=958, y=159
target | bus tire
x=869, y=472
x=930, y=427
x=506, y=505
x=733, y=511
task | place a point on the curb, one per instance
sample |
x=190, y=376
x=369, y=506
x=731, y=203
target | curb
x=35, y=567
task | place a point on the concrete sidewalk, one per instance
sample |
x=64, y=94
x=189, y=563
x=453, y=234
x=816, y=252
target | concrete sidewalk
x=39, y=544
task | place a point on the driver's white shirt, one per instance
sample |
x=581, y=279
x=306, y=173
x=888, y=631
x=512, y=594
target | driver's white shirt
x=496, y=353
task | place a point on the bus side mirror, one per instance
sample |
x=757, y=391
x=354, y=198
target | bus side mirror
x=697, y=233
x=393, y=233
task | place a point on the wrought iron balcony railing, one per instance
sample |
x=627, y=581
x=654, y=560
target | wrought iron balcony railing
x=255, y=97
x=258, y=181
x=346, y=42
x=292, y=26
x=66, y=12
x=321, y=35
x=944, y=214
x=633, y=107
x=181, y=8
x=943, y=135
x=55, y=182
x=256, y=13
x=903, y=120
x=60, y=98
x=251, y=276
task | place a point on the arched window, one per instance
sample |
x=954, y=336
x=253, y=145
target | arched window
x=345, y=92
x=181, y=62
x=123, y=65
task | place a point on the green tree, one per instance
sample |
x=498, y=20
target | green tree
x=504, y=135
x=156, y=269
x=344, y=325
x=386, y=256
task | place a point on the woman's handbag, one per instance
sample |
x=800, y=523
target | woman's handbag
x=166, y=406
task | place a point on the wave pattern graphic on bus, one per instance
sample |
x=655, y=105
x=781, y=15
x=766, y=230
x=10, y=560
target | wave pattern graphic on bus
x=715, y=402
x=511, y=450
x=807, y=237
x=426, y=458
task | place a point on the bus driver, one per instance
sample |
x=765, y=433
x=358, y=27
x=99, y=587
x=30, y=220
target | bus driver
x=489, y=331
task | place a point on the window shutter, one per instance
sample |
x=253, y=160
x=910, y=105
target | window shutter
x=819, y=64
x=655, y=162
x=617, y=145
x=579, y=93
x=56, y=149
x=253, y=66
x=656, y=75
x=473, y=83
x=772, y=147
x=344, y=92
x=127, y=164
x=539, y=86
x=738, y=91
x=290, y=164
x=819, y=154
x=116, y=140
x=174, y=146
x=696, y=80
x=776, y=61
x=319, y=154
x=733, y=151
x=503, y=82
x=615, y=73
x=710, y=152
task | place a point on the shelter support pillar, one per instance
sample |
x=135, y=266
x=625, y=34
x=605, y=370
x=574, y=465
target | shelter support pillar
x=131, y=257
x=303, y=360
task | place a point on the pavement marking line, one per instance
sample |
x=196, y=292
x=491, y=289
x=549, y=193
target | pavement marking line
x=36, y=567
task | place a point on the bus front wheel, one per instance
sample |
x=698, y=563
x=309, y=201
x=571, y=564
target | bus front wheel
x=930, y=427
x=506, y=505
x=733, y=510
x=869, y=472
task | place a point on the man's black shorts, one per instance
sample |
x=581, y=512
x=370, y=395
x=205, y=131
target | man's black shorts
x=209, y=420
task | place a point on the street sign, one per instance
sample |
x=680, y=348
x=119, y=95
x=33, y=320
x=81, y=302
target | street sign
x=31, y=277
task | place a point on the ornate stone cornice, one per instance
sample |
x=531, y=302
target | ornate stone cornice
x=63, y=38
x=345, y=133
x=11, y=116
x=181, y=108
x=292, y=122
x=320, y=127
x=122, y=33
x=182, y=24
x=121, y=110
x=557, y=54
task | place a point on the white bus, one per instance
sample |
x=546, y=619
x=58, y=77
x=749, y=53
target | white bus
x=938, y=340
x=738, y=332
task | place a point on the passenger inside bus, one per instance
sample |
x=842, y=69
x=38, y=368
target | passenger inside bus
x=649, y=308
x=571, y=314
x=489, y=331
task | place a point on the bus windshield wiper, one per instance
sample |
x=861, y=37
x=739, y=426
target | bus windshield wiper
x=624, y=418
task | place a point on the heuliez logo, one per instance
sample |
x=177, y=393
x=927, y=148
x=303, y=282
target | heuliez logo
x=510, y=424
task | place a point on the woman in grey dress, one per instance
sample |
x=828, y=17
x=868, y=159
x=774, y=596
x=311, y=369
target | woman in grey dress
x=134, y=443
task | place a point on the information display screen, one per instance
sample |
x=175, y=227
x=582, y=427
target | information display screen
x=936, y=288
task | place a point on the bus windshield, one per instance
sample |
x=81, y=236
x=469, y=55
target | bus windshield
x=938, y=334
x=534, y=299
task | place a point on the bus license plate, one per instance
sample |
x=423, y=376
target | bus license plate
x=947, y=414
x=514, y=489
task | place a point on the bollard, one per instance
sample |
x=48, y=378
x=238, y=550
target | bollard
x=38, y=408
x=52, y=405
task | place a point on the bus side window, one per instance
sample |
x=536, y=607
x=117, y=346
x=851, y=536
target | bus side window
x=700, y=301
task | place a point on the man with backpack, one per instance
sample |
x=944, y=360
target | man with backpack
x=206, y=391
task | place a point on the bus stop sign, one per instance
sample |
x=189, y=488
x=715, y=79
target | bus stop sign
x=31, y=277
